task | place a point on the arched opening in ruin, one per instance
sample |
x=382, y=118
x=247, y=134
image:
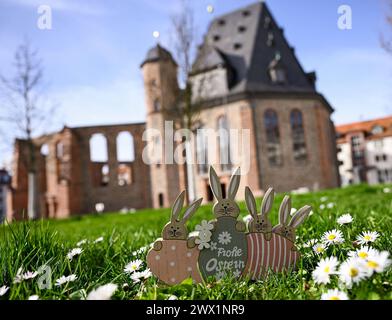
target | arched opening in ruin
x=125, y=158
x=99, y=167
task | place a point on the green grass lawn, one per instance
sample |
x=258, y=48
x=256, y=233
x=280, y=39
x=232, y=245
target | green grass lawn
x=32, y=245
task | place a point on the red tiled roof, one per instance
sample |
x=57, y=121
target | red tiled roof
x=365, y=126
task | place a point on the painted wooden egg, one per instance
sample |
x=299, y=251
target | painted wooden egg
x=227, y=253
x=174, y=262
x=278, y=254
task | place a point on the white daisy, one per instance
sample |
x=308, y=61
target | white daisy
x=100, y=239
x=353, y=270
x=363, y=253
x=104, y=292
x=224, y=238
x=367, y=236
x=323, y=199
x=34, y=297
x=3, y=290
x=378, y=262
x=133, y=266
x=172, y=297
x=81, y=242
x=387, y=190
x=334, y=294
x=330, y=205
x=319, y=248
x=292, y=211
x=146, y=273
x=325, y=268
x=136, y=276
x=29, y=275
x=322, y=206
x=74, y=252
x=332, y=237
x=140, y=250
x=60, y=281
x=345, y=219
x=310, y=243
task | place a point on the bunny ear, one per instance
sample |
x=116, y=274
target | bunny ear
x=284, y=210
x=268, y=200
x=215, y=184
x=300, y=216
x=250, y=202
x=177, y=206
x=189, y=212
x=234, y=184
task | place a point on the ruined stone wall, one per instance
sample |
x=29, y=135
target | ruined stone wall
x=67, y=182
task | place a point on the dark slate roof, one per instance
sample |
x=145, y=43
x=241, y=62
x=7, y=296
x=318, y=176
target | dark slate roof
x=209, y=58
x=249, y=39
x=157, y=53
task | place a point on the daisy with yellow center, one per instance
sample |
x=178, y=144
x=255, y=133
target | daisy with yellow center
x=377, y=262
x=362, y=253
x=133, y=266
x=334, y=294
x=352, y=271
x=367, y=237
x=345, y=219
x=332, y=237
x=319, y=248
x=325, y=268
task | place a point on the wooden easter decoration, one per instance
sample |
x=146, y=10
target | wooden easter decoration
x=174, y=257
x=227, y=251
x=271, y=249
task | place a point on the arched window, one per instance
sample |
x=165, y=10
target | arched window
x=271, y=124
x=224, y=144
x=99, y=167
x=125, y=157
x=125, y=147
x=298, y=135
x=157, y=105
x=98, y=148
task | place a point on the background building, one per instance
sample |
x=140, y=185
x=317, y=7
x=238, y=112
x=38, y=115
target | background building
x=365, y=151
x=248, y=77
x=5, y=181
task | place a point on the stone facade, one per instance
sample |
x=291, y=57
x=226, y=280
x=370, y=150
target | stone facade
x=365, y=151
x=69, y=183
x=254, y=84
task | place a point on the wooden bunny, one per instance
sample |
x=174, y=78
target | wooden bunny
x=227, y=253
x=174, y=258
x=268, y=250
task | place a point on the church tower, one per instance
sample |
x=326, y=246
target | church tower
x=161, y=91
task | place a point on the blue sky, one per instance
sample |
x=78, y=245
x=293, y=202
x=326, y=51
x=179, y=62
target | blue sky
x=92, y=54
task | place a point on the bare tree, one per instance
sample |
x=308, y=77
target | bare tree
x=26, y=110
x=387, y=43
x=187, y=107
